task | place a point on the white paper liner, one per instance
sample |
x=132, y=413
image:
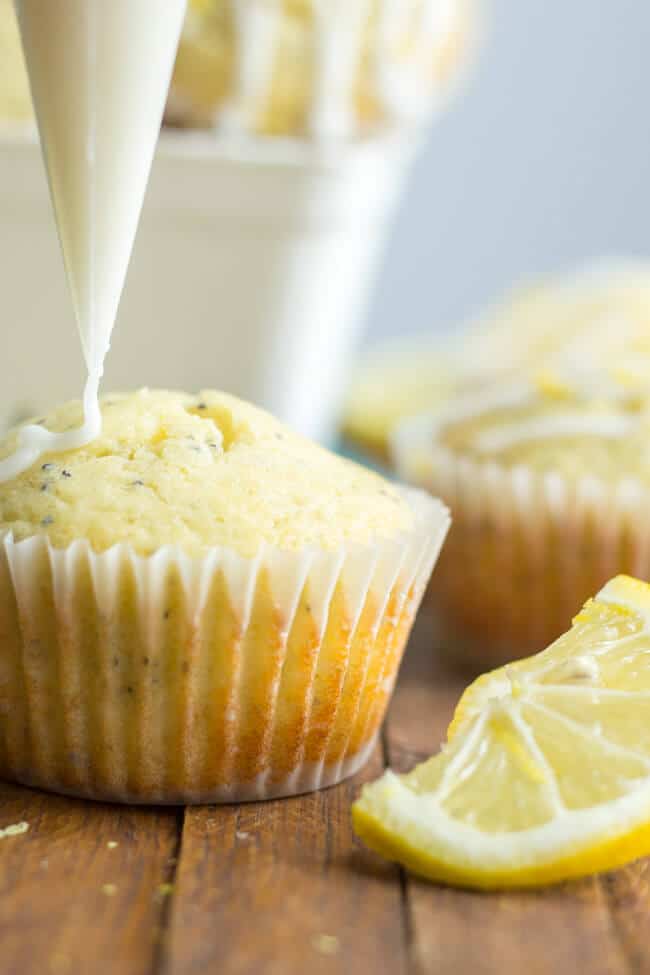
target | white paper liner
x=527, y=548
x=172, y=679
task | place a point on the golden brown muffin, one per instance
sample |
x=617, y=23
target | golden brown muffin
x=200, y=605
x=594, y=318
x=549, y=489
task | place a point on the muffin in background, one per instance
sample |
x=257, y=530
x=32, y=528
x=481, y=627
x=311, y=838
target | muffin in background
x=200, y=605
x=403, y=379
x=583, y=319
x=595, y=317
x=548, y=484
x=317, y=68
x=15, y=98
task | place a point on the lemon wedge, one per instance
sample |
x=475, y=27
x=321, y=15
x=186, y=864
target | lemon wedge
x=546, y=770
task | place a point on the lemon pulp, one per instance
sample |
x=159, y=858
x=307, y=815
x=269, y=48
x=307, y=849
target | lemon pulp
x=546, y=771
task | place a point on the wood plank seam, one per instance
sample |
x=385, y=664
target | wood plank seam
x=563, y=929
x=158, y=962
x=83, y=889
x=284, y=887
x=405, y=911
x=613, y=888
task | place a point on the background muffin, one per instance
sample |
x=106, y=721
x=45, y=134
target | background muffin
x=200, y=605
x=402, y=379
x=15, y=99
x=304, y=67
x=549, y=488
x=597, y=317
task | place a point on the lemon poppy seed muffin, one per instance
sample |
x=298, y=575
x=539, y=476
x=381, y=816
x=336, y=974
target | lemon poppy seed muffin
x=200, y=605
x=317, y=69
x=197, y=471
x=549, y=427
x=401, y=379
x=590, y=318
x=548, y=483
x=595, y=318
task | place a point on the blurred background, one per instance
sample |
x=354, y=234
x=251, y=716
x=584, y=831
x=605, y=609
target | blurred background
x=363, y=212
x=542, y=163
x=396, y=168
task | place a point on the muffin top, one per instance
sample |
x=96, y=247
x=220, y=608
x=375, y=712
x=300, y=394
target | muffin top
x=597, y=318
x=577, y=429
x=196, y=471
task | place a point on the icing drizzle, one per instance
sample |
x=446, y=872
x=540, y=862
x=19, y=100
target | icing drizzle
x=99, y=74
x=338, y=36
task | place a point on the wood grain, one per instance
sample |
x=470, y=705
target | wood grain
x=69, y=902
x=564, y=930
x=628, y=897
x=451, y=932
x=282, y=887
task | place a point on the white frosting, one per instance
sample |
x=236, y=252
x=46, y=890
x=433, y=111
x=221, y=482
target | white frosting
x=339, y=28
x=395, y=19
x=256, y=23
x=339, y=34
x=610, y=425
x=404, y=84
x=99, y=73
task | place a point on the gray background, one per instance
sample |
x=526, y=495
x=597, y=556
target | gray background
x=542, y=161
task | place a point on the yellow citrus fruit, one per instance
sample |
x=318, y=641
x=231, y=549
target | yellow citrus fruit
x=546, y=771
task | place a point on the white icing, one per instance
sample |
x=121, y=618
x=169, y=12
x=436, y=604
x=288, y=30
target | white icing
x=338, y=36
x=256, y=25
x=403, y=83
x=395, y=84
x=598, y=336
x=339, y=29
x=35, y=440
x=99, y=74
x=609, y=425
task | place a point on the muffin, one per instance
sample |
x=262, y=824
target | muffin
x=200, y=605
x=15, y=98
x=308, y=68
x=548, y=483
x=577, y=320
x=593, y=318
x=402, y=379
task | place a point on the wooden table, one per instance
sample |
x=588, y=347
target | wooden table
x=283, y=887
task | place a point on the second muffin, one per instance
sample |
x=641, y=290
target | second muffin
x=549, y=487
x=200, y=605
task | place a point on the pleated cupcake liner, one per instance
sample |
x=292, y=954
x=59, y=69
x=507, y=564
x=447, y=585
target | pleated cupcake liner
x=215, y=679
x=526, y=548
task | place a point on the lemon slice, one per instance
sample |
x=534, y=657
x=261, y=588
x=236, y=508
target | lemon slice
x=546, y=771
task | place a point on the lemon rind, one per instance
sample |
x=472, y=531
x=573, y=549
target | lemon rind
x=414, y=829
x=611, y=853
x=462, y=855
